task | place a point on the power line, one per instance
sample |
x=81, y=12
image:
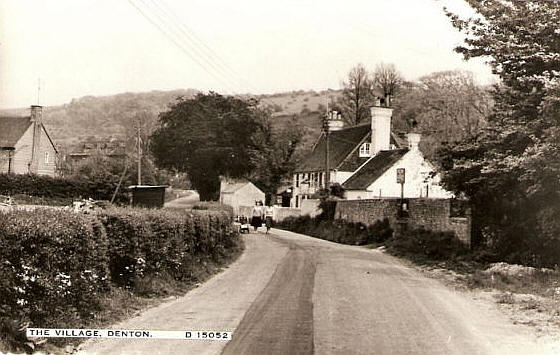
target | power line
x=179, y=45
x=179, y=34
x=195, y=40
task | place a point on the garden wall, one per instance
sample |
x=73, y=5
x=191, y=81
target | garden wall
x=439, y=215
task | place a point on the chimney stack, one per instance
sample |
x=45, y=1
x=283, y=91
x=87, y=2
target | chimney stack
x=413, y=140
x=380, y=127
x=334, y=121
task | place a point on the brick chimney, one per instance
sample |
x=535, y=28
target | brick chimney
x=37, y=120
x=380, y=127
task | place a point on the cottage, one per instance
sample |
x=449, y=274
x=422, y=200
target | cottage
x=239, y=193
x=26, y=146
x=364, y=159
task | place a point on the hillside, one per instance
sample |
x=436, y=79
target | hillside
x=104, y=117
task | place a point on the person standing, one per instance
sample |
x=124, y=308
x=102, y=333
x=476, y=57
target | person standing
x=268, y=214
x=257, y=216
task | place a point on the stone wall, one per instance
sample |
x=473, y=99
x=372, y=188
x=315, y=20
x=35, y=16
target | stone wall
x=433, y=214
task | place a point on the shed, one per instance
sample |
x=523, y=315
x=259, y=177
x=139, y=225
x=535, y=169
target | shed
x=148, y=196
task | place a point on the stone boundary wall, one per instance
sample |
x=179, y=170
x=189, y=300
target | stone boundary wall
x=432, y=214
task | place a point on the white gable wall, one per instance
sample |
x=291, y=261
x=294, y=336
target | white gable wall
x=417, y=181
x=245, y=196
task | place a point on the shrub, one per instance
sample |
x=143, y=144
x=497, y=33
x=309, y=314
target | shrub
x=339, y=231
x=57, y=266
x=213, y=206
x=147, y=242
x=426, y=243
x=58, y=188
x=54, y=266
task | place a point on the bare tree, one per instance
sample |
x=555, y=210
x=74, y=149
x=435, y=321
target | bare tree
x=453, y=104
x=445, y=106
x=357, y=95
x=387, y=79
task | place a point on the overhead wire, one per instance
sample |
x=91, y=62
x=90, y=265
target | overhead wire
x=176, y=29
x=203, y=47
x=181, y=47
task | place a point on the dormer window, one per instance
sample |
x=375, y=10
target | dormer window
x=365, y=150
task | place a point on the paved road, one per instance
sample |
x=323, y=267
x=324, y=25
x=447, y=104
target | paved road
x=291, y=294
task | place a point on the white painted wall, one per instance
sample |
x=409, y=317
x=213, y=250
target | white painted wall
x=417, y=181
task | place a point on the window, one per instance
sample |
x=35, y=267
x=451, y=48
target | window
x=365, y=150
x=297, y=180
x=46, y=157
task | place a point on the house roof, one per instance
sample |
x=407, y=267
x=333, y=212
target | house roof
x=230, y=188
x=373, y=169
x=341, y=144
x=11, y=130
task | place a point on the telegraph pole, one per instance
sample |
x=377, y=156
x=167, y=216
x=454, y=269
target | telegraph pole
x=327, y=167
x=139, y=156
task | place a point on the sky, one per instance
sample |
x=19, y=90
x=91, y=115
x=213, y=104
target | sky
x=74, y=48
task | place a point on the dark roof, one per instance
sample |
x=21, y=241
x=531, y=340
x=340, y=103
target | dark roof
x=344, y=153
x=373, y=169
x=11, y=129
x=341, y=144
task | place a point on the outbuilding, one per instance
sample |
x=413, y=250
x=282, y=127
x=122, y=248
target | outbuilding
x=148, y=196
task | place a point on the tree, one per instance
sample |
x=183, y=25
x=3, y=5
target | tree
x=510, y=171
x=273, y=155
x=387, y=79
x=445, y=107
x=207, y=136
x=357, y=95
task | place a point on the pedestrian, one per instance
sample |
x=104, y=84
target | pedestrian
x=268, y=214
x=257, y=216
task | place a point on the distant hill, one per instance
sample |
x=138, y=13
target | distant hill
x=105, y=117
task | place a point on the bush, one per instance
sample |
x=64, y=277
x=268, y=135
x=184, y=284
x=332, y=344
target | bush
x=54, y=267
x=58, y=188
x=147, y=242
x=213, y=206
x=339, y=231
x=429, y=244
x=59, y=267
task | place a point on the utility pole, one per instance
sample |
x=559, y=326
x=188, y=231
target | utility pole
x=327, y=167
x=326, y=129
x=139, y=155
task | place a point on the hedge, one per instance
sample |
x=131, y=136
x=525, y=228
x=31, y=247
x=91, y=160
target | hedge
x=56, y=187
x=56, y=264
x=339, y=231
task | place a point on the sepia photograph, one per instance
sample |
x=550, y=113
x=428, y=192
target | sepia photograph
x=280, y=177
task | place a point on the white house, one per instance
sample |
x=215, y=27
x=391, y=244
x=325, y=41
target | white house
x=377, y=178
x=239, y=193
x=364, y=160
